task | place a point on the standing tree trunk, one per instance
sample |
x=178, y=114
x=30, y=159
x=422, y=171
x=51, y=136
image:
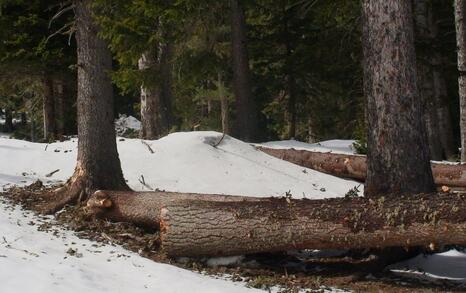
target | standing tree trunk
x=246, y=116
x=460, y=21
x=443, y=111
x=398, y=153
x=8, y=120
x=425, y=81
x=224, y=109
x=98, y=165
x=58, y=90
x=49, y=110
x=156, y=116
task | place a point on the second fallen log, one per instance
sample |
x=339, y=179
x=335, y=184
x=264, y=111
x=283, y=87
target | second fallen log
x=355, y=167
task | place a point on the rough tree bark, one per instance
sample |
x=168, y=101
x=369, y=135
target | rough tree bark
x=246, y=116
x=98, y=165
x=156, y=99
x=49, y=110
x=209, y=228
x=443, y=111
x=59, y=95
x=143, y=208
x=425, y=81
x=460, y=21
x=355, y=167
x=398, y=152
x=203, y=224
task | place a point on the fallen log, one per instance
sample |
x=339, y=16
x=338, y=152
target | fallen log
x=143, y=208
x=192, y=227
x=354, y=166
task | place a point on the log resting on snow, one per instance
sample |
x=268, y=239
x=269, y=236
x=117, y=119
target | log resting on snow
x=193, y=227
x=355, y=167
x=143, y=208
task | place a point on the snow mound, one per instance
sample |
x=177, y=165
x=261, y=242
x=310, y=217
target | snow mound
x=182, y=161
x=338, y=146
x=125, y=125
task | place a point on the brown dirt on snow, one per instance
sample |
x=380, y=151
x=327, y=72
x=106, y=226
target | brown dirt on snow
x=259, y=271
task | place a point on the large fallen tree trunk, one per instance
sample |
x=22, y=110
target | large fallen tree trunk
x=193, y=227
x=354, y=166
x=143, y=208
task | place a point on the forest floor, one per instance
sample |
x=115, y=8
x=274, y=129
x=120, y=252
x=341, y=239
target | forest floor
x=73, y=252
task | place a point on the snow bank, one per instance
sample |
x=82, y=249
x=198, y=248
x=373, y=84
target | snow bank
x=183, y=161
x=338, y=146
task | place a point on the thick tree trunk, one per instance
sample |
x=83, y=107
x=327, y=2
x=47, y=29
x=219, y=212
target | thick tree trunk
x=398, y=152
x=49, y=110
x=460, y=21
x=425, y=81
x=98, y=165
x=143, y=208
x=59, y=95
x=355, y=167
x=246, y=116
x=443, y=113
x=156, y=116
x=213, y=228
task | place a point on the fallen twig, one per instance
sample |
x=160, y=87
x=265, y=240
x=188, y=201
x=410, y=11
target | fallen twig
x=143, y=182
x=51, y=173
x=148, y=146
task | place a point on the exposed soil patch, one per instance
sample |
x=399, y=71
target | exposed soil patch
x=292, y=272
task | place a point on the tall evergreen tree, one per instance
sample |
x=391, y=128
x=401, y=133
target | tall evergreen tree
x=246, y=117
x=98, y=165
x=398, y=153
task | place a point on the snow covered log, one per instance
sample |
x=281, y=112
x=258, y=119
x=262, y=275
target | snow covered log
x=143, y=208
x=354, y=166
x=193, y=227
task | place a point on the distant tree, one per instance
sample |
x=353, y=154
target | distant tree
x=98, y=165
x=246, y=120
x=398, y=152
x=460, y=21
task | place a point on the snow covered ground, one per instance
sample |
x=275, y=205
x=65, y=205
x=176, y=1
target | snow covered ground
x=180, y=162
x=183, y=161
x=32, y=261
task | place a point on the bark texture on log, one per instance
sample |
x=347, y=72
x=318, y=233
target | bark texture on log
x=143, y=208
x=398, y=152
x=460, y=21
x=205, y=228
x=355, y=167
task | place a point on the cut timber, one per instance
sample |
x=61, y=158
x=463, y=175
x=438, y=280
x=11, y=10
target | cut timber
x=193, y=227
x=143, y=208
x=355, y=167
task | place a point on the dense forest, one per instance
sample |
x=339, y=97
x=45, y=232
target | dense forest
x=259, y=70
x=369, y=92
